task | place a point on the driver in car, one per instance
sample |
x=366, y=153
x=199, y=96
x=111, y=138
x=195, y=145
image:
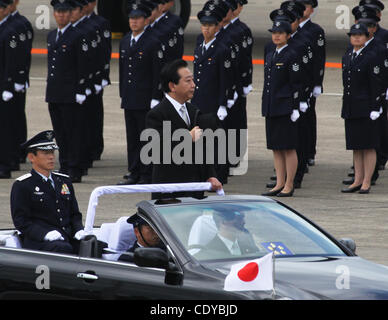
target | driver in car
x=145, y=235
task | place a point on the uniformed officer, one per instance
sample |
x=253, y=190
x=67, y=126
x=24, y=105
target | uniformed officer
x=381, y=33
x=361, y=106
x=316, y=34
x=25, y=38
x=176, y=24
x=9, y=42
x=43, y=204
x=105, y=45
x=67, y=81
x=302, y=47
x=141, y=59
x=280, y=107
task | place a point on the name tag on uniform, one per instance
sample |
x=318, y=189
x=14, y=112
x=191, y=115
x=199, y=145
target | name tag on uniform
x=280, y=64
x=38, y=193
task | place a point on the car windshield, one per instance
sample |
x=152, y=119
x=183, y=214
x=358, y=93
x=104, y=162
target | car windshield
x=245, y=229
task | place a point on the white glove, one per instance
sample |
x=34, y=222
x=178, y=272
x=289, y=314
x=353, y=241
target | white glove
x=235, y=96
x=374, y=115
x=27, y=85
x=154, y=103
x=230, y=103
x=381, y=110
x=247, y=90
x=104, y=83
x=80, y=98
x=222, y=113
x=88, y=92
x=317, y=91
x=295, y=115
x=19, y=87
x=80, y=235
x=53, y=236
x=98, y=88
x=386, y=95
x=7, y=96
x=303, y=106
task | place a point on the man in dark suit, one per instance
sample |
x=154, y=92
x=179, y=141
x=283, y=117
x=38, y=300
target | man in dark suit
x=141, y=58
x=232, y=238
x=145, y=235
x=43, y=204
x=178, y=85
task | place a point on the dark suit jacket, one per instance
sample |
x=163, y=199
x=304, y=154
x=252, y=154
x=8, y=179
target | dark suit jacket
x=178, y=173
x=38, y=209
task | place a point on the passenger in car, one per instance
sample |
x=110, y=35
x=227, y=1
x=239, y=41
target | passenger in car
x=145, y=235
x=43, y=204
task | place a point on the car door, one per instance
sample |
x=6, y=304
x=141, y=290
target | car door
x=103, y=279
x=26, y=274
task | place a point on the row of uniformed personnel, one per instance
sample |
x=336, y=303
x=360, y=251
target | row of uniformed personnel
x=16, y=36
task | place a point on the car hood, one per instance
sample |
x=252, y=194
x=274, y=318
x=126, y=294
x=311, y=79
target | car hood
x=343, y=278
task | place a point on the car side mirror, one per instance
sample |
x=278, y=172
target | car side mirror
x=158, y=258
x=349, y=243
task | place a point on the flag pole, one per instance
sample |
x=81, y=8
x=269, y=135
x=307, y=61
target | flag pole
x=273, y=276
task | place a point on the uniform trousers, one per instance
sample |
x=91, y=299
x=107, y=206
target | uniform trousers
x=19, y=125
x=304, y=141
x=135, y=122
x=70, y=133
x=96, y=128
x=312, y=120
x=71, y=246
x=6, y=134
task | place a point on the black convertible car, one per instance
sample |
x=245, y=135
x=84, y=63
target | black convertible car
x=309, y=263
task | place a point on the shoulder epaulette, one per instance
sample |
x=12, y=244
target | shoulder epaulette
x=24, y=177
x=61, y=174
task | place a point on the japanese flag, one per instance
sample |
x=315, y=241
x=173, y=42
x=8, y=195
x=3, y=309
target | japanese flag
x=256, y=275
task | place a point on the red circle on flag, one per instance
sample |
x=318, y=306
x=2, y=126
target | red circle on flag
x=249, y=272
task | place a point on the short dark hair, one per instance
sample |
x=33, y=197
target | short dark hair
x=170, y=73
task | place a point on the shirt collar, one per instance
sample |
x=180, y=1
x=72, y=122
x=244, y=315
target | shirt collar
x=207, y=45
x=359, y=51
x=369, y=41
x=4, y=20
x=301, y=25
x=281, y=49
x=157, y=20
x=137, y=37
x=225, y=27
x=14, y=13
x=234, y=20
x=44, y=177
x=76, y=23
x=175, y=103
x=63, y=30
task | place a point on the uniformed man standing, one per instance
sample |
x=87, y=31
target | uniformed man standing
x=316, y=34
x=67, y=82
x=141, y=59
x=9, y=42
x=25, y=38
x=105, y=36
x=43, y=204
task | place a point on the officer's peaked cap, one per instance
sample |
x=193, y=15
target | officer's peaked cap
x=42, y=141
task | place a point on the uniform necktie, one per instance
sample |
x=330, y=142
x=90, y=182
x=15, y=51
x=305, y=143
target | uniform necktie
x=354, y=56
x=184, y=115
x=203, y=49
x=275, y=55
x=59, y=35
x=235, y=250
x=133, y=42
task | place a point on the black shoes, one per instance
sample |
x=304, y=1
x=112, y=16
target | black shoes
x=311, y=162
x=272, y=193
x=143, y=180
x=129, y=181
x=284, y=195
x=351, y=190
x=364, y=191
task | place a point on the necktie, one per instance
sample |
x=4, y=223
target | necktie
x=235, y=249
x=133, y=42
x=203, y=49
x=275, y=55
x=184, y=115
x=50, y=182
x=59, y=35
x=354, y=55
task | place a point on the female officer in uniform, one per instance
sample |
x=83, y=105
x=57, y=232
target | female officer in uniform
x=361, y=106
x=280, y=103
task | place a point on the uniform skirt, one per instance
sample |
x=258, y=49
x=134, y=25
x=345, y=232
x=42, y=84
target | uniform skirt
x=362, y=134
x=282, y=133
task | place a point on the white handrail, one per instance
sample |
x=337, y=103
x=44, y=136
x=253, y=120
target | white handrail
x=140, y=188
